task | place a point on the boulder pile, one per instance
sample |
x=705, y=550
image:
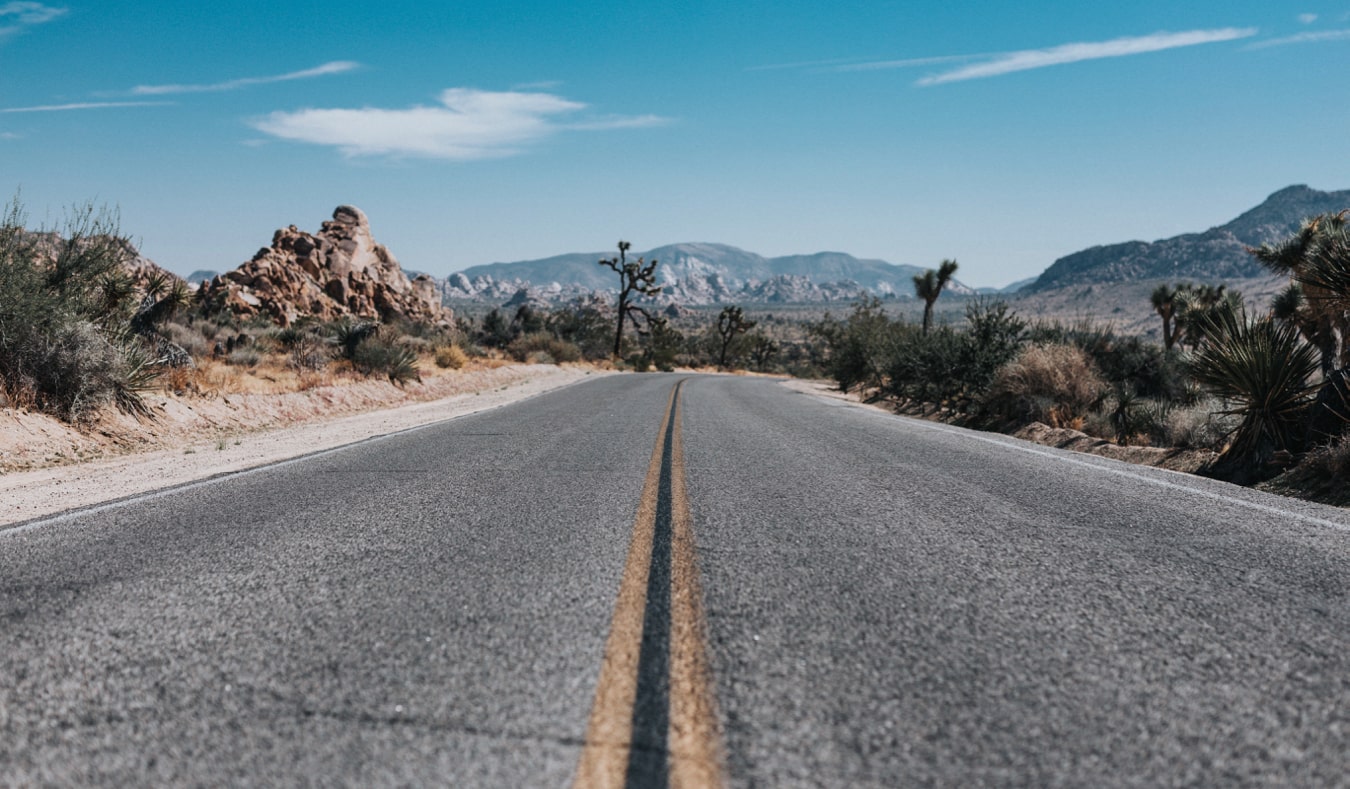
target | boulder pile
x=335, y=272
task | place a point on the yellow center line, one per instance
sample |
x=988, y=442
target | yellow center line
x=695, y=742
x=693, y=739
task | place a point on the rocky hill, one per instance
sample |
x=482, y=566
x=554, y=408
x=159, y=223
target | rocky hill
x=337, y=271
x=698, y=273
x=1216, y=254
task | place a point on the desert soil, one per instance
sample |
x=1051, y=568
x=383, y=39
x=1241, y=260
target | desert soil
x=47, y=466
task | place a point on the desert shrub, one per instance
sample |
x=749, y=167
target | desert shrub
x=1138, y=420
x=417, y=344
x=1324, y=473
x=557, y=350
x=78, y=369
x=1124, y=361
x=923, y=367
x=661, y=345
x=348, y=334
x=1055, y=384
x=380, y=354
x=451, y=357
x=587, y=324
x=953, y=367
x=189, y=339
x=496, y=330
x=860, y=348
x=1199, y=426
x=66, y=306
x=244, y=357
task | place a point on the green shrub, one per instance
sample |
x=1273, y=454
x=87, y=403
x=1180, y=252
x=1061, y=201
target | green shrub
x=378, y=354
x=349, y=334
x=860, y=348
x=66, y=344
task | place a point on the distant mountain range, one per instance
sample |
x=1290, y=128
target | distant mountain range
x=700, y=273
x=1217, y=253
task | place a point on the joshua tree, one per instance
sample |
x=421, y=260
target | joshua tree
x=1169, y=304
x=928, y=286
x=730, y=322
x=634, y=279
x=1201, y=307
x=762, y=350
x=1317, y=259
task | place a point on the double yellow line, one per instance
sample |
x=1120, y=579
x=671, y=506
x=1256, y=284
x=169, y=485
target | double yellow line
x=693, y=748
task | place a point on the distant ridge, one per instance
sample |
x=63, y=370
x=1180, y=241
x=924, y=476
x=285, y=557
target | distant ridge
x=707, y=273
x=1217, y=253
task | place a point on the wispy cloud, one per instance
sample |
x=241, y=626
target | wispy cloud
x=1028, y=59
x=1303, y=38
x=467, y=124
x=15, y=17
x=85, y=105
x=1307, y=19
x=8, y=136
x=327, y=69
x=907, y=62
x=802, y=64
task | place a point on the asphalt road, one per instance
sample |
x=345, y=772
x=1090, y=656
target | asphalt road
x=824, y=596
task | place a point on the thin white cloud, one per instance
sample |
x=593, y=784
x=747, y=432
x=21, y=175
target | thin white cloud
x=86, y=105
x=8, y=136
x=1303, y=38
x=327, y=69
x=468, y=124
x=907, y=62
x=16, y=17
x=802, y=64
x=1026, y=60
x=1307, y=19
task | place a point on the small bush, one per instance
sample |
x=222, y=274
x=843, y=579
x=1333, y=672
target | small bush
x=244, y=357
x=557, y=350
x=1200, y=426
x=1054, y=384
x=67, y=345
x=189, y=339
x=378, y=354
x=451, y=357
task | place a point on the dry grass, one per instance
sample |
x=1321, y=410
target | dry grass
x=450, y=357
x=1055, y=384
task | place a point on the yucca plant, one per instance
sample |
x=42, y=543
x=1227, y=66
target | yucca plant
x=1261, y=368
x=1317, y=259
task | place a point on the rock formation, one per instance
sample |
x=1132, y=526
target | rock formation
x=338, y=271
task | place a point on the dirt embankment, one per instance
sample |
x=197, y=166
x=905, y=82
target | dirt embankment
x=47, y=466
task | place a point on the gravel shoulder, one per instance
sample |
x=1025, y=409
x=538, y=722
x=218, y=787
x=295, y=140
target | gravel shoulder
x=47, y=467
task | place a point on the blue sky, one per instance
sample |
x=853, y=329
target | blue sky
x=1003, y=135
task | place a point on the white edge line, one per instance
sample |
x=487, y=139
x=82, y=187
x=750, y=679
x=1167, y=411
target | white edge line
x=22, y=527
x=1012, y=442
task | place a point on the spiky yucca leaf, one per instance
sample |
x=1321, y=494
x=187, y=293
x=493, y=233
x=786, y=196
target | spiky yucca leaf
x=1262, y=369
x=1328, y=262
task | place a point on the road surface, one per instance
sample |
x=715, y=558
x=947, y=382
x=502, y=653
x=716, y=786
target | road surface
x=663, y=580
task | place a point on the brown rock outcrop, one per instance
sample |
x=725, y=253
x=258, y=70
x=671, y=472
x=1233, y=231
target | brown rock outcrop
x=338, y=271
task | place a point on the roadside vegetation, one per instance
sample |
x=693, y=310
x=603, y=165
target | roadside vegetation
x=1266, y=388
x=85, y=324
